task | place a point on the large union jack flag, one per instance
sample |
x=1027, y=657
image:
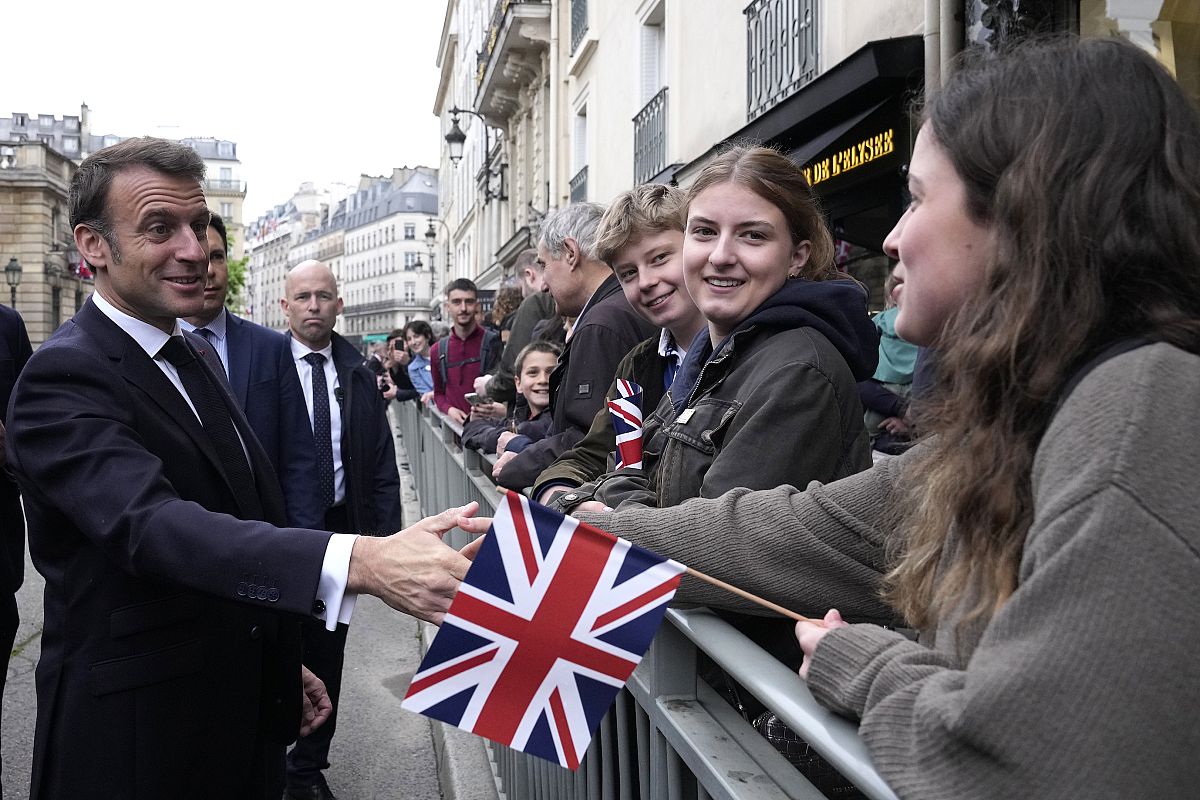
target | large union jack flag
x=626, y=412
x=550, y=621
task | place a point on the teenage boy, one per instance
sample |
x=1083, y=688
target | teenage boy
x=641, y=239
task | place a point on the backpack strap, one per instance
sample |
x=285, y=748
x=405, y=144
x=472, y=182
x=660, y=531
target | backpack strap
x=443, y=347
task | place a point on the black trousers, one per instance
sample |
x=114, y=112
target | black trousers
x=324, y=654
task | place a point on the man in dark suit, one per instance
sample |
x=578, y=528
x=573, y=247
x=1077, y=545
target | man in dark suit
x=14, y=352
x=170, y=654
x=258, y=363
x=356, y=476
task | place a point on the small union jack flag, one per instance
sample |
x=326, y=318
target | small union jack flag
x=626, y=411
x=550, y=621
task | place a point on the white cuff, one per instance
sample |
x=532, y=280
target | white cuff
x=335, y=570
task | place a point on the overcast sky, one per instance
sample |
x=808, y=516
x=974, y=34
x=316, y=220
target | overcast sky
x=319, y=92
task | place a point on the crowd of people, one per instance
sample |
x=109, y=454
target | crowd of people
x=205, y=498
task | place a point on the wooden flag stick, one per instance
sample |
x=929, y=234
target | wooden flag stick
x=753, y=598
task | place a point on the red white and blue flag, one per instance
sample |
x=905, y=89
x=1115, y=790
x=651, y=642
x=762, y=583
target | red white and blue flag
x=550, y=621
x=626, y=412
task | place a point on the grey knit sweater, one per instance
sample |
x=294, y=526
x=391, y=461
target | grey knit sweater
x=1085, y=684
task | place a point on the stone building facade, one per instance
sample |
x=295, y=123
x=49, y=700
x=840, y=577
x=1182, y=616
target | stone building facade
x=35, y=231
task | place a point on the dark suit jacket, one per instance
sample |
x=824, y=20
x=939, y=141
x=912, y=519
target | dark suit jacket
x=14, y=352
x=604, y=333
x=166, y=661
x=264, y=381
x=368, y=454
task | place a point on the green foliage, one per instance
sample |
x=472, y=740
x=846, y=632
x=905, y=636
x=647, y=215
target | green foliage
x=236, y=281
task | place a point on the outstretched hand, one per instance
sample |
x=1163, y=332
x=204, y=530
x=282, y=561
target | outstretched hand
x=810, y=634
x=413, y=571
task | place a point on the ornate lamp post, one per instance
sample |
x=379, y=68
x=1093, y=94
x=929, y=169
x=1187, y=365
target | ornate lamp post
x=13, y=274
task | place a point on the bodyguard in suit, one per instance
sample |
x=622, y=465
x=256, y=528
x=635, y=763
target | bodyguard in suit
x=356, y=476
x=170, y=654
x=258, y=363
x=14, y=352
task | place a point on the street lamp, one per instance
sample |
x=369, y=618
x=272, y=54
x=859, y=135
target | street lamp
x=455, y=139
x=13, y=273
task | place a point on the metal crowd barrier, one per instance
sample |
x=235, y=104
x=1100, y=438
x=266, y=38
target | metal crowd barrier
x=669, y=736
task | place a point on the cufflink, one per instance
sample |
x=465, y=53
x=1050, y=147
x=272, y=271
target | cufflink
x=319, y=607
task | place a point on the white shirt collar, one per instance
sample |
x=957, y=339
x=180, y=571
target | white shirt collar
x=667, y=346
x=300, y=350
x=148, y=337
x=218, y=325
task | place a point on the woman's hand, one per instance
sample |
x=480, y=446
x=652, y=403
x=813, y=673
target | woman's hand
x=810, y=634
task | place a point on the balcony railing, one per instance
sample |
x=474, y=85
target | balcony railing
x=669, y=736
x=224, y=185
x=579, y=186
x=650, y=139
x=781, y=51
x=579, y=23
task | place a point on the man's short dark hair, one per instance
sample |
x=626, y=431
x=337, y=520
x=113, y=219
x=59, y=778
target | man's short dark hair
x=219, y=224
x=462, y=285
x=89, y=187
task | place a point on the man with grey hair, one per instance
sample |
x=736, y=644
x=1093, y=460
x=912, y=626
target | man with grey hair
x=606, y=328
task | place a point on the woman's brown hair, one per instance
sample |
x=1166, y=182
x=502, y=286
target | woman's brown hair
x=1080, y=157
x=777, y=179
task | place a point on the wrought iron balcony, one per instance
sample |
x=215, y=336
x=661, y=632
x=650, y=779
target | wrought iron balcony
x=781, y=51
x=579, y=186
x=650, y=138
x=579, y=23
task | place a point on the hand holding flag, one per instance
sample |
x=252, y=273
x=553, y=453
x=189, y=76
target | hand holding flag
x=626, y=412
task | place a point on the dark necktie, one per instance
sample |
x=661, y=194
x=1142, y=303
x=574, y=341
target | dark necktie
x=217, y=422
x=321, y=429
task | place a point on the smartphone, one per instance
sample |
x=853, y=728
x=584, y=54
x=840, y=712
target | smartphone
x=476, y=399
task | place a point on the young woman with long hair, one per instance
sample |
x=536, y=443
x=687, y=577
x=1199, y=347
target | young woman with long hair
x=1044, y=539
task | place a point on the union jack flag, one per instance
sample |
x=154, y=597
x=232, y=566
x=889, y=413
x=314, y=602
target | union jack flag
x=550, y=621
x=626, y=411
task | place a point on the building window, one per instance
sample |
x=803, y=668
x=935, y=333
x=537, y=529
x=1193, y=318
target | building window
x=410, y=292
x=410, y=261
x=226, y=210
x=70, y=145
x=225, y=149
x=45, y=120
x=410, y=230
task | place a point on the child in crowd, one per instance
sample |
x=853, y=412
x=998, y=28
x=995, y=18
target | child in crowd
x=534, y=364
x=1043, y=539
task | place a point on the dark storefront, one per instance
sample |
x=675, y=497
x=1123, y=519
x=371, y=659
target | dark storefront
x=850, y=127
